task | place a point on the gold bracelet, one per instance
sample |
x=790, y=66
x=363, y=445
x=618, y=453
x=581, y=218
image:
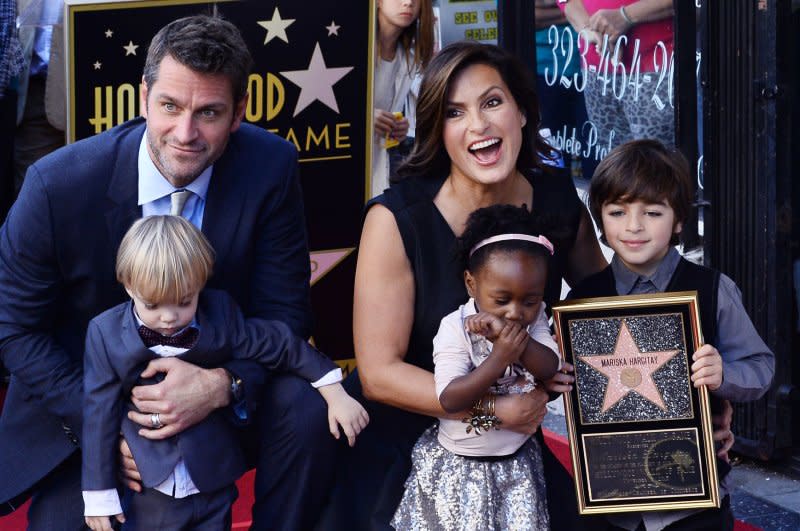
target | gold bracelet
x=479, y=407
x=481, y=416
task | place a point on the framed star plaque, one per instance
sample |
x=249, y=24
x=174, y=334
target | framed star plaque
x=640, y=433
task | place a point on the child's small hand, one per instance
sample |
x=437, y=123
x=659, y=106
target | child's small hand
x=510, y=343
x=344, y=411
x=484, y=324
x=103, y=523
x=707, y=367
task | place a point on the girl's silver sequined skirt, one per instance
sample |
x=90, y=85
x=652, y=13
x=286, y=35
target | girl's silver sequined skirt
x=449, y=492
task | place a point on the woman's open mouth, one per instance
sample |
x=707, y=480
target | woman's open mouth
x=486, y=151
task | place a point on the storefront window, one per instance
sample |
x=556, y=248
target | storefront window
x=605, y=76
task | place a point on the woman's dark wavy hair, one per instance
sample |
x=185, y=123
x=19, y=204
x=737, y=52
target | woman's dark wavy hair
x=429, y=157
x=502, y=219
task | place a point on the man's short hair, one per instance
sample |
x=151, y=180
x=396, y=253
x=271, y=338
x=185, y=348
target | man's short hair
x=164, y=259
x=642, y=170
x=205, y=44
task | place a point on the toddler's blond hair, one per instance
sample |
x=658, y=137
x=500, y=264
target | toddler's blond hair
x=164, y=259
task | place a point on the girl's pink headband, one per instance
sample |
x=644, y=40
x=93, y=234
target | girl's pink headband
x=541, y=240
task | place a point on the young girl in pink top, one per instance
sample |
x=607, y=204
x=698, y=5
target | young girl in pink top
x=471, y=473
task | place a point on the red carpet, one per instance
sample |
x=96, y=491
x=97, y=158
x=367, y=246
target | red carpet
x=241, y=509
x=16, y=521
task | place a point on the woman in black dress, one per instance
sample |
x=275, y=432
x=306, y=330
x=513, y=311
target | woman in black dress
x=477, y=145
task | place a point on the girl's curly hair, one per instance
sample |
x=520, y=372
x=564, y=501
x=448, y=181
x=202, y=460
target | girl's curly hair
x=502, y=219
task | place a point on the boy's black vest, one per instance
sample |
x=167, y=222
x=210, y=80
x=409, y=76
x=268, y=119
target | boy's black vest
x=687, y=277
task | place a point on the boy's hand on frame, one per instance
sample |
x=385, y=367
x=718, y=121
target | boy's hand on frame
x=707, y=367
x=562, y=381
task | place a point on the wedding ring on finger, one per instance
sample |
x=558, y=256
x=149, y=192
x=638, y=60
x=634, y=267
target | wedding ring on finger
x=155, y=421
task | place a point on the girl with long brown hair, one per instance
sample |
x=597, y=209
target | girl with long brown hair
x=404, y=44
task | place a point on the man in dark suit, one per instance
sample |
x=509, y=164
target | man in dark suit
x=57, y=250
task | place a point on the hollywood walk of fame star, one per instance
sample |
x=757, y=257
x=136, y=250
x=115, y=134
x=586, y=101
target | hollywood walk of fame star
x=333, y=29
x=276, y=27
x=97, y=65
x=316, y=83
x=109, y=33
x=130, y=48
x=629, y=369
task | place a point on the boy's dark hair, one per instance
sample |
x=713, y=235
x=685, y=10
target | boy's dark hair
x=205, y=44
x=499, y=219
x=642, y=170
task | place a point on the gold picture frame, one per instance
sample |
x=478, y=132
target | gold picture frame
x=640, y=433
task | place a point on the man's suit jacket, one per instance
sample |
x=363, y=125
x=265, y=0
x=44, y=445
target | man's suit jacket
x=115, y=356
x=57, y=253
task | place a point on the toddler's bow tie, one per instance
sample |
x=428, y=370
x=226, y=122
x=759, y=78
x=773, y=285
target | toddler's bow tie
x=186, y=338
